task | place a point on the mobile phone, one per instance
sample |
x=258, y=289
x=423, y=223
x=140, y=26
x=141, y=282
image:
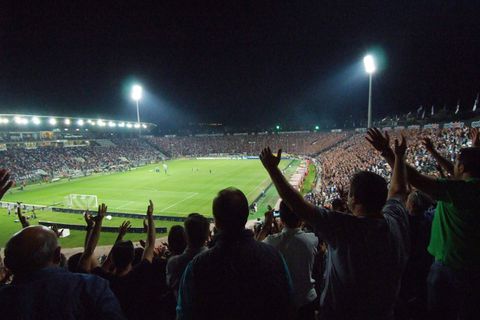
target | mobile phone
x=276, y=214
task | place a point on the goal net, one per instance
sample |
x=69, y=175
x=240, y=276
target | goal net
x=81, y=201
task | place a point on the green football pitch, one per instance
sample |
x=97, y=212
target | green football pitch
x=189, y=186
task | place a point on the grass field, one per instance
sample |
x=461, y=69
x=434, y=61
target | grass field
x=188, y=187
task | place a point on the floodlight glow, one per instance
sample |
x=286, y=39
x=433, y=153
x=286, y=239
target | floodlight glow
x=36, y=120
x=144, y=126
x=112, y=124
x=369, y=64
x=80, y=122
x=137, y=125
x=121, y=124
x=52, y=121
x=20, y=120
x=317, y=127
x=92, y=122
x=129, y=125
x=136, y=92
x=101, y=123
x=4, y=120
x=67, y=122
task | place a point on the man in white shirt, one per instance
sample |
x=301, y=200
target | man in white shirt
x=299, y=249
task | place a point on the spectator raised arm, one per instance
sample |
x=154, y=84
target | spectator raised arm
x=442, y=161
x=87, y=261
x=292, y=197
x=23, y=220
x=398, y=184
x=475, y=136
x=381, y=143
x=5, y=182
x=148, y=253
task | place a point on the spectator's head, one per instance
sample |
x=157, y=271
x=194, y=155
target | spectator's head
x=467, y=164
x=339, y=205
x=72, y=263
x=33, y=248
x=197, y=229
x=368, y=193
x=230, y=210
x=287, y=216
x=418, y=202
x=177, y=240
x=123, y=254
x=138, y=256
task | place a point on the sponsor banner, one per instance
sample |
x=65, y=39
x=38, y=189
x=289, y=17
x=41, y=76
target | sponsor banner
x=287, y=132
x=476, y=124
x=361, y=130
x=336, y=130
x=414, y=127
x=241, y=134
x=431, y=126
x=399, y=128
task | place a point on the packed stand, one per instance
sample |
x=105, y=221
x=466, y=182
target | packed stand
x=305, y=143
x=49, y=162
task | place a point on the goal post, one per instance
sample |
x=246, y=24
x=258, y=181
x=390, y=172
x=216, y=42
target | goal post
x=81, y=201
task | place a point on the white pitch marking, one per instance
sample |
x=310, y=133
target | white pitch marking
x=185, y=199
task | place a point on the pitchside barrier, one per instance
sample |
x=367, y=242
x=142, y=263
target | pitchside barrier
x=126, y=215
x=104, y=229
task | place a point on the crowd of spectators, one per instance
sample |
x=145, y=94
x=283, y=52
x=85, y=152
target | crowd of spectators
x=354, y=154
x=299, y=143
x=49, y=162
x=407, y=249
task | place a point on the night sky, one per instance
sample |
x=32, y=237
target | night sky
x=242, y=63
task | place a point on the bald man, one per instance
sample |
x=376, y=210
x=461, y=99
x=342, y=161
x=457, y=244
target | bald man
x=42, y=290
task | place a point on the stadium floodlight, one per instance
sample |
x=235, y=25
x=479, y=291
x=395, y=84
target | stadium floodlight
x=137, y=125
x=36, y=120
x=101, y=123
x=4, y=120
x=129, y=125
x=112, y=124
x=370, y=68
x=20, y=120
x=52, y=121
x=92, y=122
x=277, y=127
x=67, y=122
x=80, y=122
x=121, y=124
x=144, y=126
x=137, y=95
x=317, y=127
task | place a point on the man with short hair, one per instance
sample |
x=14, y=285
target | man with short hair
x=299, y=249
x=238, y=278
x=197, y=229
x=367, y=249
x=42, y=290
x=454, y=278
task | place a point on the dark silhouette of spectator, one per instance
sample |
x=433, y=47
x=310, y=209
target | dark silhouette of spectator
x=197, y=229
x=454, y=277
x=367, y=251
x=238, y=278
x=42, y=290
x=177, y=240
x=299, y=249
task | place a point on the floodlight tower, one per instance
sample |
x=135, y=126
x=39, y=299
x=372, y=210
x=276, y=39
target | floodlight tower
x=137, y=95
x=370, y=68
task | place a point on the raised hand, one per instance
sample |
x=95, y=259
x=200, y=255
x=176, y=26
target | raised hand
x=124, y=227
x=23, y=220
x=427, y=142
x=475, y=136
x=379, y=141
x=58, y=232
x=150, y=208
x=5, y=182
x=400, y=148
x=88, y=219
x=269, y=160
x=102, y=210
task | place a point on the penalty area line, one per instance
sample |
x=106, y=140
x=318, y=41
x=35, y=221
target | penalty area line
x=184, y=199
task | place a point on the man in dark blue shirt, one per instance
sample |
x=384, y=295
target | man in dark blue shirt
x=238, y=278
x=42, y=290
